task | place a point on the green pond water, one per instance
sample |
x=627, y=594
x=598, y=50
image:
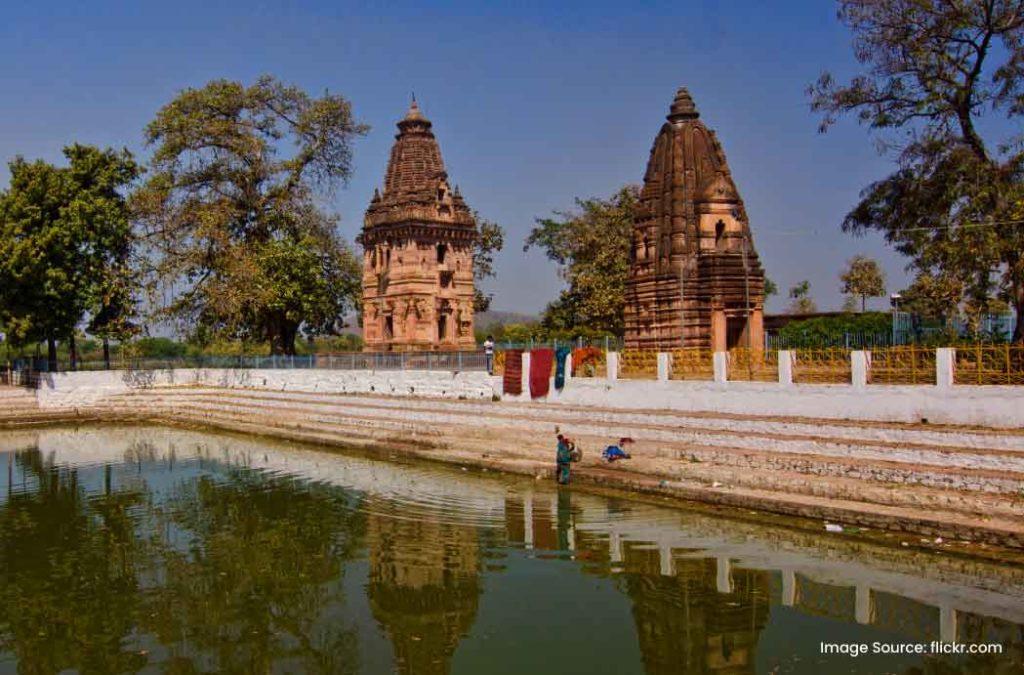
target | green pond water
x=148, y=549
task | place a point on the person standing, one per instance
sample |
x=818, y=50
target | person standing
x=489, y=354
x=563, y=460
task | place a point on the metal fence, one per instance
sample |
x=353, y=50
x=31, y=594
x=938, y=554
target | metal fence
x=448, y=361
x=989, y=364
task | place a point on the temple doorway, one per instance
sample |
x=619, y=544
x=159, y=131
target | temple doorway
x=736, y=332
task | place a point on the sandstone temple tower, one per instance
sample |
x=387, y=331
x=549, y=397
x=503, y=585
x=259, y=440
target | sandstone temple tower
x=418, y=239
x=695, y=278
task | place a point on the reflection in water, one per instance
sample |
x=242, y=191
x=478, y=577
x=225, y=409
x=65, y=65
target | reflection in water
x=424, y=588
x=124, y=549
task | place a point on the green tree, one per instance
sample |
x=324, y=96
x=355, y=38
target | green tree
x=490, y=240
x=770, y=288
x=933, y=70
x=932, y=297
x=64, y=236
x=863, y=278
x=800, y=297
x=591, y=246
x=230, y=211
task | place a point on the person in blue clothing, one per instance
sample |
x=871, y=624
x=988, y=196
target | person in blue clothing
x=614, y=453
x=563, y=460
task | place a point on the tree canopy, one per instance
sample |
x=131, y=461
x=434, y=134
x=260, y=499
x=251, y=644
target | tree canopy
x=591, y=246
x=231, y=216
x=490, y=240
x=800, y=299
x=65, y=238
x=932, y=71
x=862, y=278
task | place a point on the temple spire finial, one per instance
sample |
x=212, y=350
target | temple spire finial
x=683, y=107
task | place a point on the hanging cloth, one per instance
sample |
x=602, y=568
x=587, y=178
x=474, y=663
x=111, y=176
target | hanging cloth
x=541, y=361
x=560, y=357
x=512, y=383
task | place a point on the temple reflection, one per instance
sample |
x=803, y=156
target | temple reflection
x=424, y=587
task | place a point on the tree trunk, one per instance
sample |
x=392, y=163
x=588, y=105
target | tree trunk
x=51, y=353
x=106, y=353
x=289, y=331
x=863, y=303
x=1018, y=306
x=73, y=352
x=275, y=336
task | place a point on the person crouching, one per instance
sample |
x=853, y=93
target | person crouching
x=614, y=453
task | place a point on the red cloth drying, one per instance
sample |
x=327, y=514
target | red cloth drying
x=512, y=383
x=540, y=371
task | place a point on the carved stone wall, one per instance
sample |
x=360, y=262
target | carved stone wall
x=695, y=277
x=418, y=239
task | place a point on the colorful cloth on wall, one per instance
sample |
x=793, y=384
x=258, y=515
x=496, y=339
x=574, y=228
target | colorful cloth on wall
x=541, y=361
x=512, y=384
x=560, y=356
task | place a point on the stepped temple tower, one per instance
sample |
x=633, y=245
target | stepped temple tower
x=418, y=238
x=695, y=278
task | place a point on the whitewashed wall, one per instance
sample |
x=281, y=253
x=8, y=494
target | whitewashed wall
x=990, y=406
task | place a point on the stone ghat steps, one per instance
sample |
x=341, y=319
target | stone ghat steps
x=915, y=515
x=864, y=480
x=991, y=462
x=904, y=435
x=17, y=401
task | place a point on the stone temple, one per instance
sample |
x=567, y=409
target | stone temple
x=418, y=238
x=695, y=278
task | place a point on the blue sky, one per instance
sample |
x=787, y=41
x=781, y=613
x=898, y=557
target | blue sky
x=533, y=103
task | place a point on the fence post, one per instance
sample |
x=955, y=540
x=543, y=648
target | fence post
x=526, y=374
x=786, y=367
x=612, y=365
x=859, y=364
x=664, y=366
x=720, y=363
x=945, y=367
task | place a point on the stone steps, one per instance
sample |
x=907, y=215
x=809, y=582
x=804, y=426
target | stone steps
x=880, y=433
x=944, y=474
x=820, y=476
x=996, y=527
x=988, y=462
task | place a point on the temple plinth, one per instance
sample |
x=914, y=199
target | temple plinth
x=695, y=277
x=418, y=238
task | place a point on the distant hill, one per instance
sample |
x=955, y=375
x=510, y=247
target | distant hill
x=482, y=320
x=492, y=317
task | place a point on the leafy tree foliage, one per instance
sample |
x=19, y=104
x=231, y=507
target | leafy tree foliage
x=933, y=69
x=864, y=278
x=490, y=240
x=932, y=297
x=231, y=216
x=800, y=299
x=65, y=238
x=591, y=246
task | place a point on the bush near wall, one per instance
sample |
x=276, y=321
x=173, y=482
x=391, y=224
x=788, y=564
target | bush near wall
x=826, y=329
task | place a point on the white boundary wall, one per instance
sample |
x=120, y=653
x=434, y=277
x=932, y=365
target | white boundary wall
x=72, y=390
x=987, y=406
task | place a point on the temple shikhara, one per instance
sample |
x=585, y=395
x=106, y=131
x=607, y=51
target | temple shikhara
x=418, y=238
x=695, y=278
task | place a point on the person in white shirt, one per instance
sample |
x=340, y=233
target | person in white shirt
x=489, y=354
